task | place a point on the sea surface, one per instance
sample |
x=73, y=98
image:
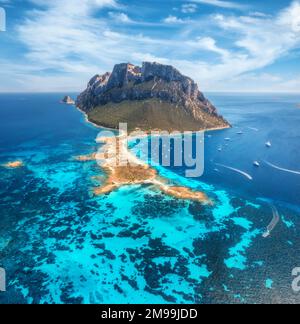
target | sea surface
x=61, y=244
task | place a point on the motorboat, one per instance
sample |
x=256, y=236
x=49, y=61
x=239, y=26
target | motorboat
x=256, y=164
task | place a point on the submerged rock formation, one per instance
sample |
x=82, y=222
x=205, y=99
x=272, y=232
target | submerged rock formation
x=151, y=97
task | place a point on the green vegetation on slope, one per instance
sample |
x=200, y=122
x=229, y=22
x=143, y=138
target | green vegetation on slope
x=150, y=115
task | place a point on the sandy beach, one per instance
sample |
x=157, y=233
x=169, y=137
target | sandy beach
x=123, y=168
x=14, y=164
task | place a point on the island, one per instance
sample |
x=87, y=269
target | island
x=68, y=100
x=152, y=97
x=13, y=164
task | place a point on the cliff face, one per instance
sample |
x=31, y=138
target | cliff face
x=153, y=96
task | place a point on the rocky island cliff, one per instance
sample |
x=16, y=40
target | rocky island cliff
x=68, y=100
x=151, y=97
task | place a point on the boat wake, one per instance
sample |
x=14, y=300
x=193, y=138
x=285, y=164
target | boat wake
x=248, y=176
x=282, y=169
x=274, y=222
x=254, y=129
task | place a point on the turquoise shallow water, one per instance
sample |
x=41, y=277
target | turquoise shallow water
x=61, y=244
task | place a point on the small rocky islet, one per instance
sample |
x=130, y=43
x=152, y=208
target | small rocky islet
x=68, y=100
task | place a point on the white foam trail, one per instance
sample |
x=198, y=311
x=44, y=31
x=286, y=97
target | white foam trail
x=254, y=129
x=282, y=169
x=248, y=176
x=274, y=222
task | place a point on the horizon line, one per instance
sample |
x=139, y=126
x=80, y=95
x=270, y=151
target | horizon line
x=204, y=92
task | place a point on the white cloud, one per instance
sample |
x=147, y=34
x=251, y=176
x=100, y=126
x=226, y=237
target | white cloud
x=189, y=8
x=258, y=14
x=76, y=6
x=65, y=37
x=221, y=4
x=66, y=45
x=290, y=17
x=260, y=41
x=5, y=2
x=173, y=20
x=121, y=17
x=209, y=44
x=264, y=40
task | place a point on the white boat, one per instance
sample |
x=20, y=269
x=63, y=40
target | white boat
x=268, y=144
x=227, y=139
x=220, y=149
x=240, y=133
x=256, y=163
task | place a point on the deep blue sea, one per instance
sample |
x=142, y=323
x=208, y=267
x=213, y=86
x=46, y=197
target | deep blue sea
x=61, y=244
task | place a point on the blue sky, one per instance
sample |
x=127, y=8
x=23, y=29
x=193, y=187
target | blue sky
x=237, y=45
